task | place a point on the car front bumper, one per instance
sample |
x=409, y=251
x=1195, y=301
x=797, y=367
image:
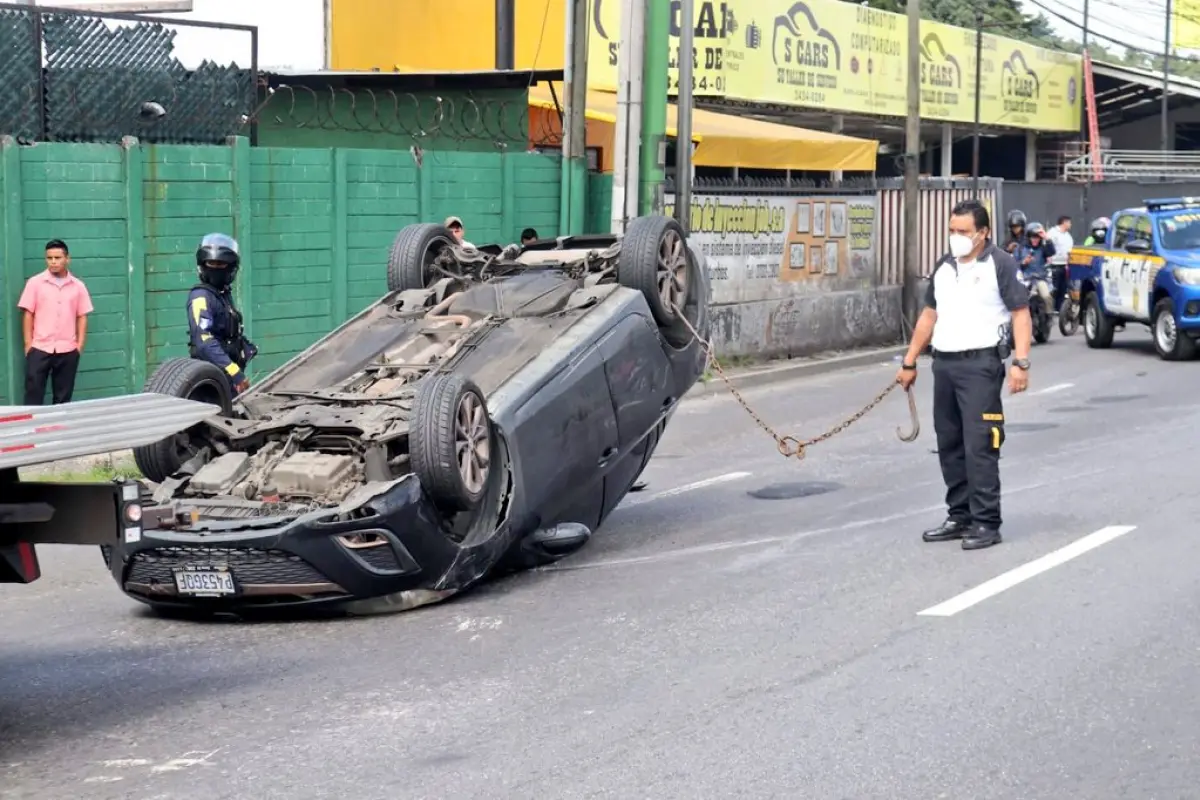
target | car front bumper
x=305, y=561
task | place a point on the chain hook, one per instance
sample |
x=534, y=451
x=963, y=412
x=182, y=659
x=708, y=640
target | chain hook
x=912, y=435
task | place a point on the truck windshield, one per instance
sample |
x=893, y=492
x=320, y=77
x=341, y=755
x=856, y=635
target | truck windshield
x=1180, y=231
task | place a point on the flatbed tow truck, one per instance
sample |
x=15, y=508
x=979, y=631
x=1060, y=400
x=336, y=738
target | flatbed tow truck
x=97, y=513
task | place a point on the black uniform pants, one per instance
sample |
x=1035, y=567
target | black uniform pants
x=968, y=418
x=60, y=368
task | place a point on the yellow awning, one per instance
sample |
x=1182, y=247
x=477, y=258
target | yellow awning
x=725, y=140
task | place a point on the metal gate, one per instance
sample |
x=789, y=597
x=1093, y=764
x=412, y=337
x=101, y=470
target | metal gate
x=938, y=196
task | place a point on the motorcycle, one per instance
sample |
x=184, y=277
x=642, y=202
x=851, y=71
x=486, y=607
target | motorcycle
x=1070, y=313
x=1038, y=313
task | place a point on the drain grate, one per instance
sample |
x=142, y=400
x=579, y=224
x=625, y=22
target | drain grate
x=793, y=491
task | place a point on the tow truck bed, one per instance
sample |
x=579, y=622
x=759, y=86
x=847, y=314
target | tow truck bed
x=33, y=513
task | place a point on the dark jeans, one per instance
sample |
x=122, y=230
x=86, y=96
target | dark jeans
x=60, y=368
x=968, y=418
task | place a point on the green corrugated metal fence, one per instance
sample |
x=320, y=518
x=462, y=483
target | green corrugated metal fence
x=314, y=224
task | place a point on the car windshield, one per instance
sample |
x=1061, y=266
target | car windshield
x=1180, y=231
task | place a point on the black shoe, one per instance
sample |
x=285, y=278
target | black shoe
x=948, y=531
x=981, y=537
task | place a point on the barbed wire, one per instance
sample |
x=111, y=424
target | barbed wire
x=503, y=122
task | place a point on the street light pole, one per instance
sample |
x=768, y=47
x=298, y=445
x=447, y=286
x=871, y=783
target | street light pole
x=978, y=99
x=912, y=174
x=683, y=118
x=1165, y=110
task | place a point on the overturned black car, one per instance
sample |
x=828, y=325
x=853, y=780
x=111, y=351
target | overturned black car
x=486, y=414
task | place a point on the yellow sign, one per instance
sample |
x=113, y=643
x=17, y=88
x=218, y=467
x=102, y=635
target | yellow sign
x=1185, y=24
x=844, y=57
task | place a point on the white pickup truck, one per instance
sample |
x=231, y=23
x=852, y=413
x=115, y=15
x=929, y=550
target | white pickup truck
x=101, y=513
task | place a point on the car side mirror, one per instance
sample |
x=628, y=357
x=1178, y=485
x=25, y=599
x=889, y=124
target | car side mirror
x=1138, y=246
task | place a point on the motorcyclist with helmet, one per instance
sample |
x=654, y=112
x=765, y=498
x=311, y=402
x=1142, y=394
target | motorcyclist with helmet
x=1098, y=232
x=214, y=323
x=1033, y=257
x=1016, y=232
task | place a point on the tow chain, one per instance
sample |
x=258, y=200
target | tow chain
x=790, y=446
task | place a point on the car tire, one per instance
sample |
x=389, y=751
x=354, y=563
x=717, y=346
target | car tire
x=1169, y=342
x=413, y=249
x=192, y=380
x=655, y=253
x=1097, y=326
x=450, y=443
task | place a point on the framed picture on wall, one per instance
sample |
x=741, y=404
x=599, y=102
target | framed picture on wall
x=816, y=256
x=803, y=212
x=818, y=220
x=831, y=258
x=837, y=220
x=797, y=257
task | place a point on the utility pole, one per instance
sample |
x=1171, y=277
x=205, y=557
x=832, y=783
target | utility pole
x=626, y=171
x=505, y=34
x=1085, y=128
x=912, y=175
x=683, y=117
x=574, y=163
x=1165, y=111
x=978, y=97
x=654, y=103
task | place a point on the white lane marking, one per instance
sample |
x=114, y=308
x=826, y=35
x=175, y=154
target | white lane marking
x=685, y=552
x=1058, y=387
x=1026, y=571
x=691, y=487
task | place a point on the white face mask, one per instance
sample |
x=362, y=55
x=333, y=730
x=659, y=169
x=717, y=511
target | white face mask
x=961, y=245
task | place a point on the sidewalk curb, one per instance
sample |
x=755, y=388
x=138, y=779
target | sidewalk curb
x=787, y=372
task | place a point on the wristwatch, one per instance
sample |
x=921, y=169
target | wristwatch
x=1021, y=363
x=908, y=367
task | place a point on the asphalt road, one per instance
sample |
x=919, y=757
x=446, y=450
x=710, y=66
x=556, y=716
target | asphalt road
x=707, y=643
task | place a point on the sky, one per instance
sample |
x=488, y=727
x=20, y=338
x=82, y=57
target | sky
x=291, y=33
x=1108, y=18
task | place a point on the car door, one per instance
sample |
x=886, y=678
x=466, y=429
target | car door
x=1113, y=284
x=639, y=380
x=564, y=435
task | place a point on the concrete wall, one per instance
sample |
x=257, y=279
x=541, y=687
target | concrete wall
x=314, y=224
x=1144, y=134
x=794, y=275
x=1045, y=201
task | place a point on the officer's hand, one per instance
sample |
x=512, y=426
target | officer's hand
x=243, y=386
x=1018, y=380
x=906, y=377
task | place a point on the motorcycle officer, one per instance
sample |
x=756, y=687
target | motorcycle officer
x=1098, y=232
x=214, y=323
x=1033, y=257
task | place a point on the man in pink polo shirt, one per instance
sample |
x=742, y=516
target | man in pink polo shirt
x=56, y=305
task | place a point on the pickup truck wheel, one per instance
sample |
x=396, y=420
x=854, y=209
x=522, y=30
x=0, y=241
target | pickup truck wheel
x=450, y=442
x=1170, y=343
x=1097, y=326
x=412, y=254
x=655, y=260
x=191, y=380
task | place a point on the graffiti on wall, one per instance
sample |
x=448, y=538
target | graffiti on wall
x=760, y=247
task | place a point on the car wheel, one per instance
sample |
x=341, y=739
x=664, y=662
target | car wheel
x=1097, y=326
x=450, y=442
x=411, y=258
x=191, y=380
x=1170, y=343
x=655, y=260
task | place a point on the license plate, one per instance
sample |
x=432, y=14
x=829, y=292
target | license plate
x=207, y=582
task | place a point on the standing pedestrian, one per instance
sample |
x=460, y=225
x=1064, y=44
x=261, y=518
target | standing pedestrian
x=1064, y=243
x=973, y=300
x=56, y=305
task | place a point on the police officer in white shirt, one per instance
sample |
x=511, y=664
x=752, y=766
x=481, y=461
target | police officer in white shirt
x=974, y=296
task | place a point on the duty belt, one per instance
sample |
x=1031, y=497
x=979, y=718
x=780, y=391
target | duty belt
x=982, y=352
